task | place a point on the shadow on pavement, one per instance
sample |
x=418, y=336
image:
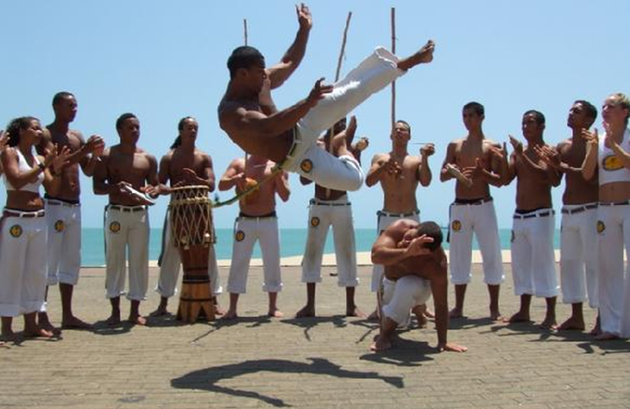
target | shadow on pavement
x=404, y=352
x=339, y=321
x=208, y=379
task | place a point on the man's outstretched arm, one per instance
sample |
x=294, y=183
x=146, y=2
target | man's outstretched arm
x=280, y=72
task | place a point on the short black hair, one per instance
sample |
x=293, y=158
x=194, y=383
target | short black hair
x=13, y=129
x=404, y=123
x=540, y=118
x=433, y=230
x=60, y=96
x=475, y=106
x=244, y=57
x=591, y=111
x=121, y=119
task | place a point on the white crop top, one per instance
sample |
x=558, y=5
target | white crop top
x=611, y=169
x=24, y=167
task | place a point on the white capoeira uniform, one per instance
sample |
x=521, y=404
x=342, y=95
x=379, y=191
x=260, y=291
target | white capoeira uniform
x=64, y=241
x=127, y=231
x=578, y=254
x=402, y=295
x=23, y=253
x=533, y=257
x=309, y=160
x=323, y=214
x=170, y=265
x=248, y=230
x=384, y=219
x=478, y=216
x=613, y=228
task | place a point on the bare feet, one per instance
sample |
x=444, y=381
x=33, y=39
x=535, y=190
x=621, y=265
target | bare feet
x=159, y=312
x=518, y=317
x=7, y=336
x=549, y=323
x=422, y=321
x=380, y=344
x=354, y=312
x=572, y=323
x=597, y=329
x=373, y=316
x=423, y=56
x=218, y=310
x=275, y=313
x=37, y=332
x=306, y=311
x=496, y=316
x=606, y=336
x=75, y=323
x=45, y=323
x=137, y=319
x=230, y=315
x=113, y=320
x=429, y=314
x=456, y=313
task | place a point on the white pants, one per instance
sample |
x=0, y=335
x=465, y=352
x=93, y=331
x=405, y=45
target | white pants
x=384, y=219
x=578, y=254
x=613, y=226
x=533, y=258
x=127, y=230
x=248, y=230
x=480, y=218
x=170, y=265
x=402, y=295
x=22, y=265
x=64, y=242
x=306, y=158
x=323, y=214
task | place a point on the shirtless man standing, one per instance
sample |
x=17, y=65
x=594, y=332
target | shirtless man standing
x=183, y=165
x=533, y=258
x=289, y=137
x=332, y=208
x=479, y=160
x=399, y=174
x=63, y=210
x=257, y=220
x=415, y=267
x=126, y=166
x=578, y=241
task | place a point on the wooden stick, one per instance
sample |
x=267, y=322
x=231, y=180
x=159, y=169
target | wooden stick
x=393, y=19
x=337, y=73
x=245, y=30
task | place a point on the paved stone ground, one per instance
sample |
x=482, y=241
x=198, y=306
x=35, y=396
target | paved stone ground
x=310, y=363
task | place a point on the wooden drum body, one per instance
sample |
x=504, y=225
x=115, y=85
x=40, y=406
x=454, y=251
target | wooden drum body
x=193, y=232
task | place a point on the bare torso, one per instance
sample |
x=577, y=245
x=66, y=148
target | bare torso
x=399, y=190
x=577, y=190
x=263, y=200
x=179, y=159
x=532, y=191
x=134, y=168
x=466, y=152
x=70, y=188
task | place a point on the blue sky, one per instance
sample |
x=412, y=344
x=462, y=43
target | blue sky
x=164, y=60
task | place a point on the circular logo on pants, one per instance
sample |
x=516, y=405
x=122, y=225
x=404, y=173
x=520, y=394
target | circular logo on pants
x=456, y=225
x=15, y=230
x=59, y=226
x=314, y=221
x=239, y=235
x=306, y=165
x=114, y=227
x=600, y=227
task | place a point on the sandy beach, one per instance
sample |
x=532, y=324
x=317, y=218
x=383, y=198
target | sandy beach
x=321, y=362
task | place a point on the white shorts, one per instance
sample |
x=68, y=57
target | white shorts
x=127, y=230
x=533, y=257
x=22, y=264
x=478, y=217
x=344, y=173
x=402, y=295
x=384, y=219
x=248, y=230
x=578, y=254
x=170, y=265
x=64, y=242
x=613, y=228
x=323, y=214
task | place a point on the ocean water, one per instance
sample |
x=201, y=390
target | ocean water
x=292, y=242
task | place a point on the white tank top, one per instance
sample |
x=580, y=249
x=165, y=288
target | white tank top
x=611, y=169
x=24, y=167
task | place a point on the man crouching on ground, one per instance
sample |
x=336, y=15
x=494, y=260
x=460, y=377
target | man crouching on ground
x=415, y=267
